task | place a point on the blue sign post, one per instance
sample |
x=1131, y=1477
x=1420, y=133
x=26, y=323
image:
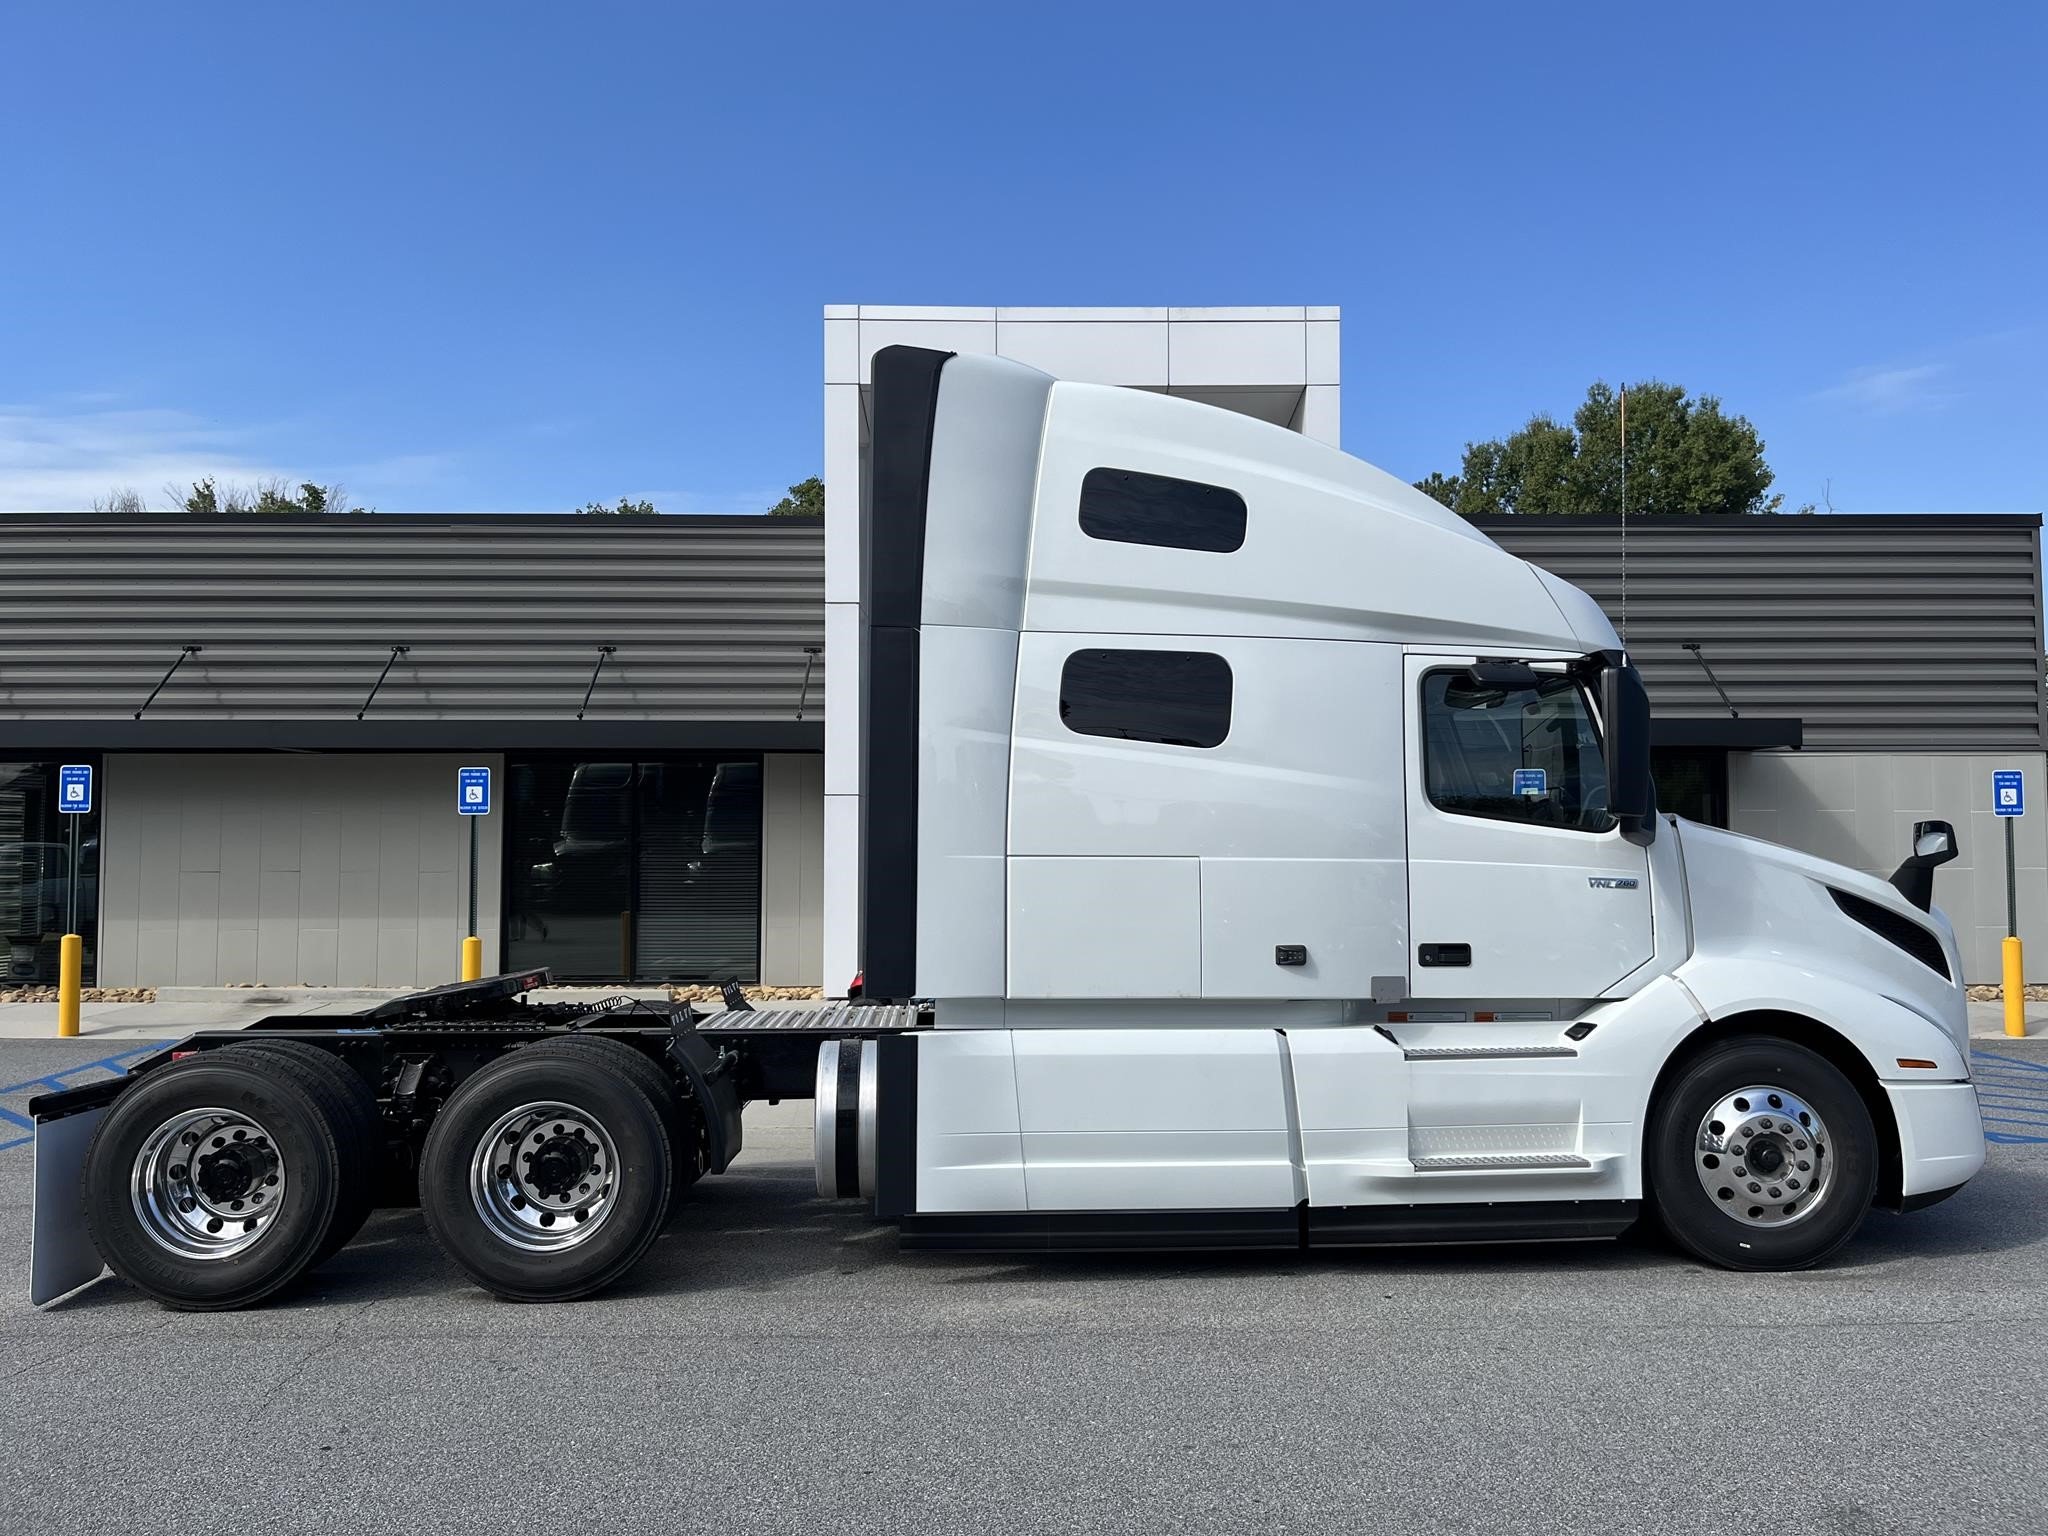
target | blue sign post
x=2008, y=793
x=472, y=799
x=2008, y=804
x=74, y=799
x=74, y=789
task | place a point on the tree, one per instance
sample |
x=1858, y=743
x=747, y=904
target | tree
x=122, y=500
x=625, y=508
x=805, y=499
x=273, y=495
x=1684, y=456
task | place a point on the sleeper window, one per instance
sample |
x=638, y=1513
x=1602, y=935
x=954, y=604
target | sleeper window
x=1514, y=754
x=1177, y=698
x=1128, y=507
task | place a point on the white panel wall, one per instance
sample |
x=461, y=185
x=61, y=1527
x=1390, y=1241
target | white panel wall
x=792, y=869
x=1858, y=808
x=286, y=869
x=1279, y=363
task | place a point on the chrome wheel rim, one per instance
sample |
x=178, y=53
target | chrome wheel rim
x=1763, y=1157
x=208, y=1183
x=544, y=1178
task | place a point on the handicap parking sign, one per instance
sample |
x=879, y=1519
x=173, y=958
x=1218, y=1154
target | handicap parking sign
x=74, y=789
x=2008, y=793
x=473, y=791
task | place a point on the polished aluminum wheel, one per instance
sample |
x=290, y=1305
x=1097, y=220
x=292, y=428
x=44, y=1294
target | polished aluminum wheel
x=544, y=1177
x=207, y=1183
x=1762, y=1155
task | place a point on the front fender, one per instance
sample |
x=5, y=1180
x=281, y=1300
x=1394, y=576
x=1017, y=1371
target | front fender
x=1881, y=1028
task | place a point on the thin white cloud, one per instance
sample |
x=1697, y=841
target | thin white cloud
x=1893, y=391
x=61, y=460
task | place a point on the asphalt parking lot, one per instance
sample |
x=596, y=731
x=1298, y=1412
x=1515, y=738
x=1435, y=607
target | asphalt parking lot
x=777, y=1365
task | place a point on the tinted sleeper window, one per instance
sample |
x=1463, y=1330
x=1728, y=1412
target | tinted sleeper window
x=1178, y=698
x=1134, y=508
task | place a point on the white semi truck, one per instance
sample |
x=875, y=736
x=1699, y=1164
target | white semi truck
x=1254, y=855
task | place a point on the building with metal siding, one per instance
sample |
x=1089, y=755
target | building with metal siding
x=252, y=829
x=1884, y=634
x=714, y=620
x=277, y=811
x=1877, y=670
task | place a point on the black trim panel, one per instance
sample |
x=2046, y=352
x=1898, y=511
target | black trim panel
x=1746, y=733
x=895, y=1126
x=1300, y=1227
x=1100, y=1231
x=846, y=1120
x=1924, y=1199
x=1508, y=1221
x=1895, y=929
x=905, y=409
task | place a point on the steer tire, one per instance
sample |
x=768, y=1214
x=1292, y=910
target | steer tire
x=1720, y=1224
x=483, y=1215
x=359, y=1133
x=294, y=1105
x=679, y=1113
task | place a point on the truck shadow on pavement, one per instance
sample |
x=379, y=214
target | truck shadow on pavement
x=762, y=1229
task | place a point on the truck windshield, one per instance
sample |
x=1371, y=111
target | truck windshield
x=1515, y=754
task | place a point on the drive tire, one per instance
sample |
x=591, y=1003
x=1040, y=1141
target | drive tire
x=461, y=1198
x=1713, y=1228
x=686, y=1138
x=293, y=1104
x=359, y=1133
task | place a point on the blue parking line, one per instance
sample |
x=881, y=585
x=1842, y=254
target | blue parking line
x=58, y=1081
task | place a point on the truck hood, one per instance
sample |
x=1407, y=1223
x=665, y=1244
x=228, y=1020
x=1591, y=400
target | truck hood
x=1758, y=900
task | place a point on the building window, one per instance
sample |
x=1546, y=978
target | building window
x=43, y=888
x=1177, y=698
x=1692, y=783
x=1133, y=508
x=635, y=871
x=1514, y=754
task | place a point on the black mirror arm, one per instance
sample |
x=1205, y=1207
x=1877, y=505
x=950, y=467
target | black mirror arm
x=1914, y=879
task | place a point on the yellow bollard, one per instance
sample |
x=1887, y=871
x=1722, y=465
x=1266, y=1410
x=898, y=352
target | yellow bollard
x=472, y=958
x=70, y=972
x=2015, y=991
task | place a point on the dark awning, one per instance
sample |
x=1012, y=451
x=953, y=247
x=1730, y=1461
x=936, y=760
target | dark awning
x=1744, y=733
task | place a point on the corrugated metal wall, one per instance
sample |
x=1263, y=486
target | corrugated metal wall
x=1880, y=633
x=503, y=614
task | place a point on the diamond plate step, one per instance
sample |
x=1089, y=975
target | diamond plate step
x=1502, y=1162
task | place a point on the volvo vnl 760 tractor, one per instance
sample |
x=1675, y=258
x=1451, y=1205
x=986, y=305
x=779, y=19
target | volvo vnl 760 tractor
x=1254, y=855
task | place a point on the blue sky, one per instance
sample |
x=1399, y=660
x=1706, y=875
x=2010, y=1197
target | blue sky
x=514, y=257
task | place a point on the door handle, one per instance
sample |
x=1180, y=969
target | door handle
x=1445, y=954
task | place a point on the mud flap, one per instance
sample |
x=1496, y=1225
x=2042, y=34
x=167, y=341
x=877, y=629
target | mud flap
x=61, y=1256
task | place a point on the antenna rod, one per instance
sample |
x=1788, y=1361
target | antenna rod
x=1624, y=517
x=1694, y=647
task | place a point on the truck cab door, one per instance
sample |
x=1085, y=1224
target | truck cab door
x=1521, y=883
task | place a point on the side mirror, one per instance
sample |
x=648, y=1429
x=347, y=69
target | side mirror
x=1934, y=844
x=1625, y=718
